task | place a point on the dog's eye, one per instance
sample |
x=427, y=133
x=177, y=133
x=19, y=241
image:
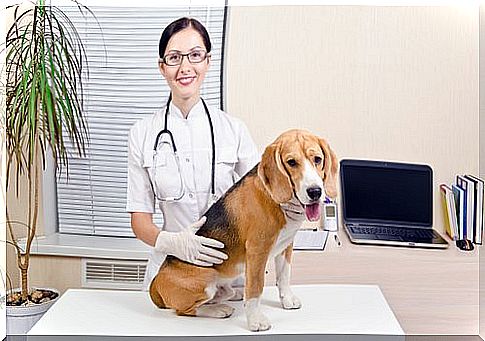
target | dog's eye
x=291, y=162
x=318, y=160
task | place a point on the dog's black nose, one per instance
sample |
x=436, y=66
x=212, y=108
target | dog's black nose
x=314, y=193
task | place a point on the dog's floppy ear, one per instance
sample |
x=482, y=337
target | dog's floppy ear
x=330, y=169
x=274, y=176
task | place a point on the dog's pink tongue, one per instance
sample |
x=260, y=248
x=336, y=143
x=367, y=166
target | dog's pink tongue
x=312, y=211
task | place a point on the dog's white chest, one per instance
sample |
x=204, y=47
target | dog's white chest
x=285, y=238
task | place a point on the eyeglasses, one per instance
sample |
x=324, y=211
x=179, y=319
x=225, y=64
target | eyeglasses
x=175, y=58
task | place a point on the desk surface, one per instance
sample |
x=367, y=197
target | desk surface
x=430, y=291
x=327, y=309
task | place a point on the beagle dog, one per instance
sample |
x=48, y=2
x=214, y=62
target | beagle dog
x=297, y=167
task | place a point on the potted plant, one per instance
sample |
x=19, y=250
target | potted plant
x=44, y=111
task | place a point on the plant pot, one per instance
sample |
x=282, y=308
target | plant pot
x=20, y=319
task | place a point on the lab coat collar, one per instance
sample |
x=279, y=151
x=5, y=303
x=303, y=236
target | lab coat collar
x=197, y=110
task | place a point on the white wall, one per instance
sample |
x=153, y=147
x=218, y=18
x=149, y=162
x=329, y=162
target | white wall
x=482, y=161
x=394, y=83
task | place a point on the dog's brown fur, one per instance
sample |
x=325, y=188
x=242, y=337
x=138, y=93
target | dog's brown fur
x=248, y=220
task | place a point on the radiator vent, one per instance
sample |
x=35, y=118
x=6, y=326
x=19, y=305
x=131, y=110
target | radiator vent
x=113, y=274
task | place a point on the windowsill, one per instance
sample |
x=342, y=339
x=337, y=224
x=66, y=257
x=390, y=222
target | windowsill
x=68, y=245
x=88, y=246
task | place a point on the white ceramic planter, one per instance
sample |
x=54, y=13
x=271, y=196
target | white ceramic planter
x=21, y=319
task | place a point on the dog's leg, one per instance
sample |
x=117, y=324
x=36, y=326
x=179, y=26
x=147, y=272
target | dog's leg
x=187, y=290
x=187, y=306
x=157, y=299
x=238, y=294
x=238, y=287
x=214, y=310
x=224, y=292
x=282, y=268
x=207, y=309
x=256, y=259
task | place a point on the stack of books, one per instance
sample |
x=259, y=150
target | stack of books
x=463, y=208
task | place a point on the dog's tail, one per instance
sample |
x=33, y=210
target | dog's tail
x=155, y=296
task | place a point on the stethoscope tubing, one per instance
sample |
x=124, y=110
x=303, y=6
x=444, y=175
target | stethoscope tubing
x=165, y=130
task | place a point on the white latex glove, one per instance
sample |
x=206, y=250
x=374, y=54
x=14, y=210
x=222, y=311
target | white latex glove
x=293, y=210
x=189, y=247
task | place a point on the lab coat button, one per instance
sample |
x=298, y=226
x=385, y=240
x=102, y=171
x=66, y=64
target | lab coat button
x=191, y=195
x=187, y=159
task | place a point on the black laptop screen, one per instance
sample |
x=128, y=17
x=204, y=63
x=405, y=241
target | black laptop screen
x=387, y=192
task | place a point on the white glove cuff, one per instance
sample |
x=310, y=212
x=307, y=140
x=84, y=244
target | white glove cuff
x=164, y=242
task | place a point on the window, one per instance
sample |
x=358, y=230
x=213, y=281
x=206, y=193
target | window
x=124, y=86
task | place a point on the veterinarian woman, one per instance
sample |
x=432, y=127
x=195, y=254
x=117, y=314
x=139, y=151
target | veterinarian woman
x=212, y=149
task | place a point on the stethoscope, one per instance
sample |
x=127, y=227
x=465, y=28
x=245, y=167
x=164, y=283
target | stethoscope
x=165, y=130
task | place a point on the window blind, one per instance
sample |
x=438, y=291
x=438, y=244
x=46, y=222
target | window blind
x=124, y=86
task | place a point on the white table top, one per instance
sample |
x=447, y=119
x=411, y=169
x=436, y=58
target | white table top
x=326, y=309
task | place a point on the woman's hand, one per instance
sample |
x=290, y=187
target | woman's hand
x=189, y=247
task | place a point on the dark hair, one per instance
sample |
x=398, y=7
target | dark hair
x=179, y=25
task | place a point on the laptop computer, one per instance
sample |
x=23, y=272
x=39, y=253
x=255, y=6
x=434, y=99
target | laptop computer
x=388, y=203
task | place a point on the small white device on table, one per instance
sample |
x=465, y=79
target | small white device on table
x=326, y=310
x=330, y=222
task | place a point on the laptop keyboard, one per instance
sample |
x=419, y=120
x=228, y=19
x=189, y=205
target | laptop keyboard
x=404, y=233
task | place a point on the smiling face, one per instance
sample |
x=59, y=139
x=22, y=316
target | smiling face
x=302, y=165
x=185, y=79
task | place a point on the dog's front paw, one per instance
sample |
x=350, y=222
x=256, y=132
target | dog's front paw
x=290, y=302
x=238, y=294
x=257, y=322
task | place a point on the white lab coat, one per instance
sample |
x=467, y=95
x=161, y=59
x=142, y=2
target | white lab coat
x=236, y=154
